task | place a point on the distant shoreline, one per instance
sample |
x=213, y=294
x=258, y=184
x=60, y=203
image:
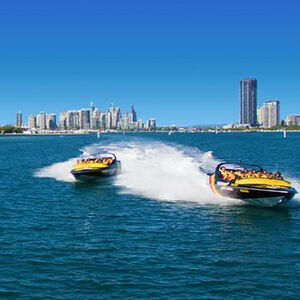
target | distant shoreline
x=157, y=131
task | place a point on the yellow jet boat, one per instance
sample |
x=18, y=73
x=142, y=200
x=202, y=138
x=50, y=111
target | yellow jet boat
x=96, y=166
x=266, y=192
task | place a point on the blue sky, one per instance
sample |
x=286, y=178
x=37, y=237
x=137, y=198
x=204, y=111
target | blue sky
x=178, y=61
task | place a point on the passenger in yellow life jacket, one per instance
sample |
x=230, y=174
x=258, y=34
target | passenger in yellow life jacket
x=239, y=174
x=249, y=174
x=231, y=176
x=264, y=174
x=223, y=173
x=245, y=173
x=258, y=175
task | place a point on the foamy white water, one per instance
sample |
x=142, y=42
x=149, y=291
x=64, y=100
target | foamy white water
x=153, y=170
x=59, y=171
x=295, y=202
x=157, y=170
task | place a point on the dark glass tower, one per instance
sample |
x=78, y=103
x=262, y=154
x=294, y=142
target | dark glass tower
x=248, y=89
x=133, y=116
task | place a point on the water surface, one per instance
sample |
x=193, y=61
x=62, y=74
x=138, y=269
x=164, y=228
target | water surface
x=156, y=231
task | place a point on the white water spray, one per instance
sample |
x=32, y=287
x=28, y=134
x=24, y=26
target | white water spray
x=154, y=170
x=59, y=171
x=166, y=172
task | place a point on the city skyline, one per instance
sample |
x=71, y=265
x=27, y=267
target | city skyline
x=91, y=118
x=251, y=114
x=178, y=61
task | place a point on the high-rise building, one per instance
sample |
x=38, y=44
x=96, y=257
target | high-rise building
x=19, y=119
x=116, y=117
x=72, y=120
x=140, y=124
x=248, y=96
x=102, y=119
x=31, y=121
x=51, y=121
x=108, y=120
x=63, y=121
x=293, y=120
x=95, y=122
x=271, y=116
x=260, y=115
x=151, y=124
x=125, y=122
x=132, y=114
x=42, y=118
x=84, y=119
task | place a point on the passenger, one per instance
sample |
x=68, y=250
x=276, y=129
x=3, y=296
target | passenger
x=264, y=174
x=270, y=176
x=250, y=174
x=97, y=160
x=238, y=174
x=231, y=176
x=278, y=176
x=223, y=173
x=243, y=175
x=258, y=174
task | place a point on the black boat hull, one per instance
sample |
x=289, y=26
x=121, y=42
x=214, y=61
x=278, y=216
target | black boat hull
x=266, y=197
x=89, y=174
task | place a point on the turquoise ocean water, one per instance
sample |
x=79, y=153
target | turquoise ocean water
x=155, y=231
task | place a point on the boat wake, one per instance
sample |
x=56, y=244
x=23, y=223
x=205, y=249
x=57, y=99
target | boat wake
x=59, y=171
x=295, y=202
x=156, y=170
x=153, y=170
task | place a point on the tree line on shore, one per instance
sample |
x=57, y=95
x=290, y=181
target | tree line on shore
x=10, y=129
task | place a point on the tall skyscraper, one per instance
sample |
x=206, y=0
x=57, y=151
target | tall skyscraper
x=108, y=119
x=248, y=100
x=19, y=119
x=51, y=121
x=271, y=116
x=63, y=121
x=84, y=119
x=132, y=114
x=72, y=120
x=125, y=121
x=42, y=121
x=31, y=121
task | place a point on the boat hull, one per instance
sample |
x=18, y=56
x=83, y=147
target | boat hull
x=93, y=174
x=259, y=196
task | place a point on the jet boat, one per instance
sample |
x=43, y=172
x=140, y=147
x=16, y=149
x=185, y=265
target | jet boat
x=266, y=192
x=95, y=166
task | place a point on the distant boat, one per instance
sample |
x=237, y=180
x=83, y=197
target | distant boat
x=284, y=133
x=2, y=133
x=171, y=132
